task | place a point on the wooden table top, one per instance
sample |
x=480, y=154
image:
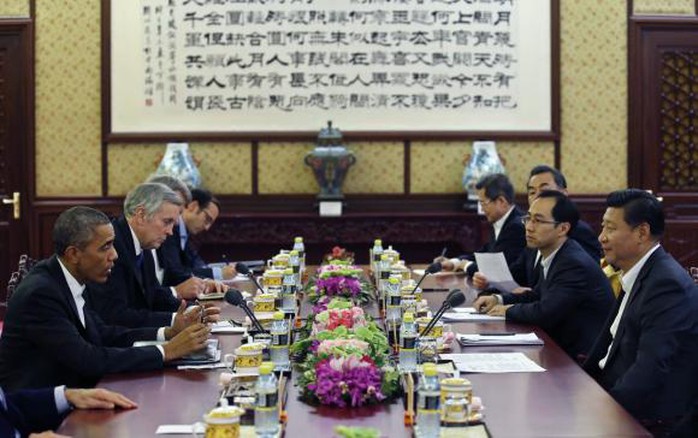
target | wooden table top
x=563, y=401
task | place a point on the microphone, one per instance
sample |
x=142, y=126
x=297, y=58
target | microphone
x=243, y=269
x=234, y=297
x=454, y=299
x=431, y=269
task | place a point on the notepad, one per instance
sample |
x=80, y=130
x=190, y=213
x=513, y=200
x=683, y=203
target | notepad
x=476, y=339
x=227, y=327
x=493, y=363
x=469, y=317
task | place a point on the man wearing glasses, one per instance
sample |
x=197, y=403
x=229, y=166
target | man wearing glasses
x=496, y=197
x=180, y=258
x=572, y=296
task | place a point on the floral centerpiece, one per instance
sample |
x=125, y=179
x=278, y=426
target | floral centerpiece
x=339, y=254
x=339, y=279
x=346, y=359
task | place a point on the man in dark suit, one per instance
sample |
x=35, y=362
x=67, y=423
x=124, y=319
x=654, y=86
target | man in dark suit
x=178, y=254
x=647, y=354
x=572, y=296
x=51, y=336
x=132, y=296
x=496, y=197
x=544, y=177
x=31, y=411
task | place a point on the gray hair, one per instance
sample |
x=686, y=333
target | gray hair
x=175, y=184
x=151, y=196
x=76, y=227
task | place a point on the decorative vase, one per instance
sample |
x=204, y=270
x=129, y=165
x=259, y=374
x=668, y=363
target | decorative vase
x=179, y=163
x=330, y=162
x=483, y=161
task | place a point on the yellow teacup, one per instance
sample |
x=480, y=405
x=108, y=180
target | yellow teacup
x=273, y=277
x=263, y=303
x=247, y=358
x=436, y=332
x=223, y=422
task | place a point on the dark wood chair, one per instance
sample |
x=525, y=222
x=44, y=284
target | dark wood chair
x=24, y=265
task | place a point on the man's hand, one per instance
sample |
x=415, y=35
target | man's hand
x=228, y=271
x=191, y=288
x=183, y=319
x=191, y=339
x=499, y=310
x=446, y=264
x=480, y=281
x=212, y=313
x=213, y=287
x=485, y=304
x=520, y=290
x=98, y=399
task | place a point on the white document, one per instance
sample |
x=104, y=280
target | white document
x=469, y=317
x=463, y=310
x=503, y=339
x=181, y=429
x=493, y=363
x=494, y=267
x=226, y=327
x=210, y=366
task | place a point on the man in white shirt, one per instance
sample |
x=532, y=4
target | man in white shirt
x=496, y=197
x=647, y=354
x=52, y=336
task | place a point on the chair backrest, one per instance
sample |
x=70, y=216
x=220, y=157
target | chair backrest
x=693, y=271
x=24, y=265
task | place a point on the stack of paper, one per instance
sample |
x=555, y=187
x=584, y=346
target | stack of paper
x=468, y=317
x=499, y=339
x=226, y=327
x=493, y=363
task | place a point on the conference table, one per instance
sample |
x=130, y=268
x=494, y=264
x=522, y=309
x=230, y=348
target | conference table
x=563, y=401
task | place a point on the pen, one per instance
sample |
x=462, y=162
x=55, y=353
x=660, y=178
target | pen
x=443, y=251
x=203, y=317
x=497, y=334
x=435, y=289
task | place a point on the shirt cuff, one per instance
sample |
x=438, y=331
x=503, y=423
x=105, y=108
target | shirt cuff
x=458, y=264
x=500, y=299
x=62, y=405
x=173, y=319
x=217, y=273
x=174, y=292
x=161, y=334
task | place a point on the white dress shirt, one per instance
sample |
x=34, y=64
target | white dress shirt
x=627, y=279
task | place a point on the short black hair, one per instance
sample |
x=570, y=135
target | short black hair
x=639, y=207
x=204, y=198
x=496, y=185
x=564, y=209
x=559, y=178
x=76, y=227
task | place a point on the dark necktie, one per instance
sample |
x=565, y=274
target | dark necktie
x=140, y=258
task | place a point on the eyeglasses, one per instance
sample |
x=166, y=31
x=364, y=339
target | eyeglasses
x=535, y=221
x=485, y=202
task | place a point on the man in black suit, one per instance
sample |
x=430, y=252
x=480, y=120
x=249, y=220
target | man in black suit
x=496, y=197
x=179, y=256
x=541, y=178
x=647, y=355
x=572, y=297
x=132, y=296
x=30, y=411
x=51, y=336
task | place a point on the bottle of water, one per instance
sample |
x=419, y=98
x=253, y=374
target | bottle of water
x=288, y=292
x=384, y=269
x=266, y=411
x=429, y=404
x=377, y=253
x=279, y=341
x=408, y=344
x=299, y=246
x=294, y=263
x=393, y=311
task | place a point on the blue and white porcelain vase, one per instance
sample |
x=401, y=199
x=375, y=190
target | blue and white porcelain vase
x=483, y=161
x=179, y=163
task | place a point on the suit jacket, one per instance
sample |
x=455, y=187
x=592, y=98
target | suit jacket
x=588, y=239
x=651, y=369
x=523, y=269
x=180, y=264
x=132, y=297
x=44, y=343
x=511, y=241
x=571, y=303
x=29, y=411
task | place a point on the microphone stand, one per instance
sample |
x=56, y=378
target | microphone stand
x=253, y=318
x=445, y=306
